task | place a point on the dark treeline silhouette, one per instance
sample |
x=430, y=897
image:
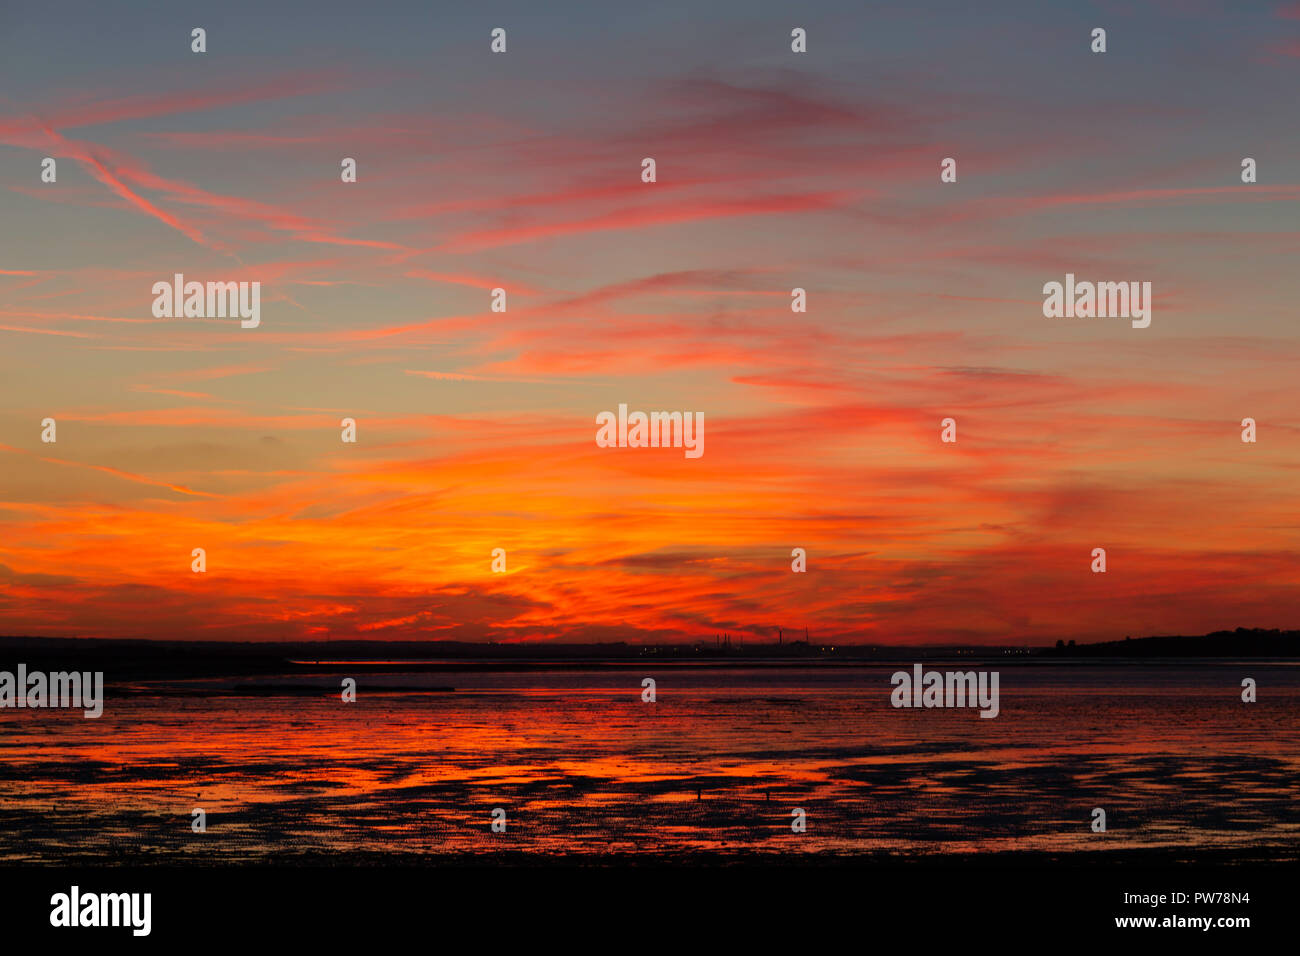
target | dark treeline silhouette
x=1243, y=642
x=144, y=659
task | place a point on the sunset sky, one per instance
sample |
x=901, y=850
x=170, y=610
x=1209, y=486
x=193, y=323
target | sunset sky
x=775, y=170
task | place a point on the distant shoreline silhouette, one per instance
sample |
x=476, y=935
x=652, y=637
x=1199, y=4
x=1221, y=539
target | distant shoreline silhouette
x=142, y=658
